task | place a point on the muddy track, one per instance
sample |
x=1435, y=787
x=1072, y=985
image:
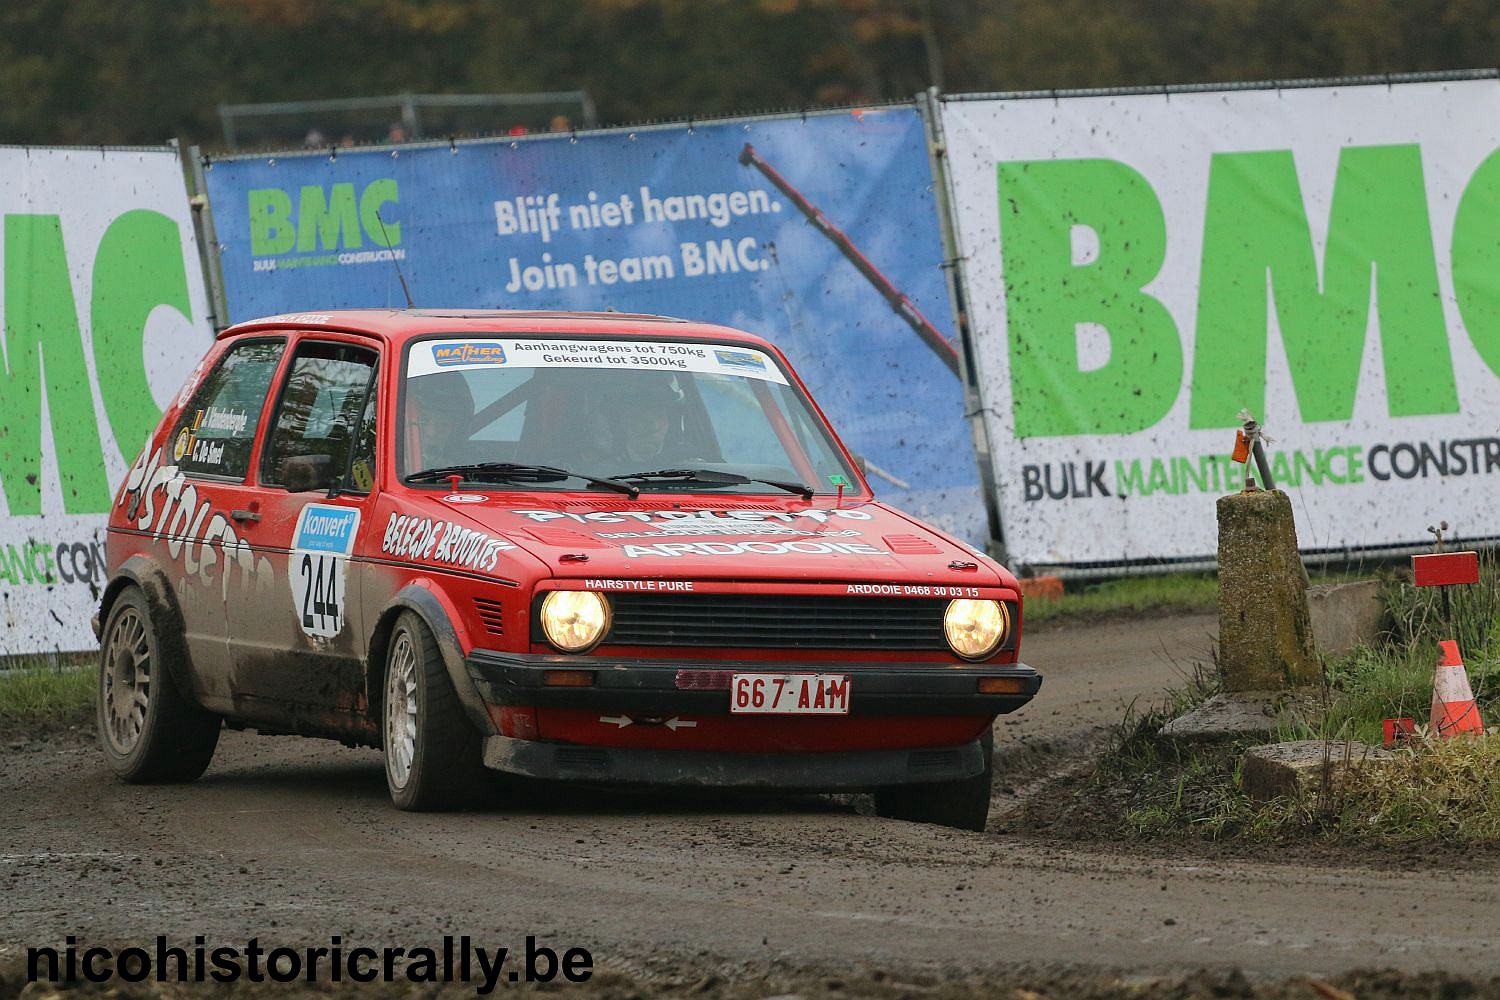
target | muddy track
x=294, y=840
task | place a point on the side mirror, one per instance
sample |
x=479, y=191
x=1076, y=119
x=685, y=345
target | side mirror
x=307, y=473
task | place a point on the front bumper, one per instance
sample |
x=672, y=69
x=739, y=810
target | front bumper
x=855, y=770
x=701, y=687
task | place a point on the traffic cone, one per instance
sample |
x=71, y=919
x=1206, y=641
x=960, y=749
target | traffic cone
x=1453, y=708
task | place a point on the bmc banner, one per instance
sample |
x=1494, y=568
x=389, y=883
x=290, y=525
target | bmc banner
x=1142, y=269
x=104, y=317
x=819, y=233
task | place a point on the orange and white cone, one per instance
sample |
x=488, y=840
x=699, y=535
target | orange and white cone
x=1453, y=708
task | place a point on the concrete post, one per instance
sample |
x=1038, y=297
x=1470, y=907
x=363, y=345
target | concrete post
x=1265, y=630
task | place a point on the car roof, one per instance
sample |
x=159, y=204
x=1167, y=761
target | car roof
x=400, y=325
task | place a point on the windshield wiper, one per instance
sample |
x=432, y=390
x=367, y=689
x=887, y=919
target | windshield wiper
x=715, y=478
x=517, y=472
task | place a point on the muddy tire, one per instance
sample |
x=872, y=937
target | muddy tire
x=432, y=753
x=151, y=732
x=964, y=805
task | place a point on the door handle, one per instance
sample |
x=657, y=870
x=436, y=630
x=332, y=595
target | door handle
x=244, y=515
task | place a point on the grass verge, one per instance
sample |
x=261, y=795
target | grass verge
x=1169, y=593
x=35, y=700
x=1178, y=592
x=1434, y=790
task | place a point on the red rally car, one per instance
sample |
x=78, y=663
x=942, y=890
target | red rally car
x=596, y=547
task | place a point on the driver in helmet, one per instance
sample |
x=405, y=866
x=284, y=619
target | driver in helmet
x=439, y=412
x=637, y=424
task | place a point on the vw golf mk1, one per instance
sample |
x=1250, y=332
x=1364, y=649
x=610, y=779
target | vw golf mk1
x=595, y=547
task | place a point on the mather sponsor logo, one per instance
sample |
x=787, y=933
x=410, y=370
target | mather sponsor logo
x=470, y=353
x=337, y=218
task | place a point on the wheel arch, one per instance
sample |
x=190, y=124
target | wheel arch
x=437, y=614
x=147, y=575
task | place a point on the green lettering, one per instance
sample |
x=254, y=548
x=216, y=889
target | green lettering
x=327, y=223
x=271, y=222
x=1198, y=477
x=138, y=267
x=382, y=231
x=1048, y=296
x=1356, y=464
x=20, y=567
x=1130, y=481
x=1256, y=232
x=1159, y=480
x=1476, y=260
x=43, y=346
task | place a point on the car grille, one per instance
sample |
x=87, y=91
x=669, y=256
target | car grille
x=780, y=621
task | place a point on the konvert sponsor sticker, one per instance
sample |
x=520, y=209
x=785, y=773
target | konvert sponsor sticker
x=321, y=546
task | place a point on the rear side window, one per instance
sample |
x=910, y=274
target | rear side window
x=320, y=415
x=216, y=432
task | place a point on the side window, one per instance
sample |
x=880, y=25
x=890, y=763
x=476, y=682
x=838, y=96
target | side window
x=321, y=412
x=362, y=465
x=217, y=428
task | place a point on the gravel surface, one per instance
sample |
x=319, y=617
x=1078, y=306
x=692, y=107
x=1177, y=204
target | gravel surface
x=294, y=841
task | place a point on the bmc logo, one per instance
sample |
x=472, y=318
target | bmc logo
x=335, y=218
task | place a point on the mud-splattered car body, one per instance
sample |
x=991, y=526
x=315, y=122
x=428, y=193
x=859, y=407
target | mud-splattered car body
x=279, y=525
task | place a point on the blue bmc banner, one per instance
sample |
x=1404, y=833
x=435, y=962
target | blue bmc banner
x=818, y=233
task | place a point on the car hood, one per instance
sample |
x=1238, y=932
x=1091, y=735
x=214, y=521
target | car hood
x=592, y=536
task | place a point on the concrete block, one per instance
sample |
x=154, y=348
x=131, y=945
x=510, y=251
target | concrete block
x=1345, y=616
x=1265, y=629
x=1304, y=768
x=1234, y=715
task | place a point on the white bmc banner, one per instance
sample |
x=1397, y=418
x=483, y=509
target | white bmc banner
x=1142, y=268
x=104, y=316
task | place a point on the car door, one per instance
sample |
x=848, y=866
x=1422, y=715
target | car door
x=194, y=505
x=299, y=653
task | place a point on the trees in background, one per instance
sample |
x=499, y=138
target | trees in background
x=103, y=71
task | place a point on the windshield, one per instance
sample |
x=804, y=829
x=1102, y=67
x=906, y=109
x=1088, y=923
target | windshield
x=614, y=408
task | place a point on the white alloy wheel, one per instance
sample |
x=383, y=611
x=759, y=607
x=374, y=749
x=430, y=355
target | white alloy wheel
x=127, y=681
x=401, y=710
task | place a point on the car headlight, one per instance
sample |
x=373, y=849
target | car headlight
x=575, y=620
x=975, y=629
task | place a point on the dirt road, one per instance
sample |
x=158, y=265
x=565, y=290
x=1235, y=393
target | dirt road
x=294, y=841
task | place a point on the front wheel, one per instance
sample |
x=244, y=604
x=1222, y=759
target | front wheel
x=432, y=753
x=964, y=804
x=150, y=731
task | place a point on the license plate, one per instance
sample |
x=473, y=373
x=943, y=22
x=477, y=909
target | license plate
x=789, y=694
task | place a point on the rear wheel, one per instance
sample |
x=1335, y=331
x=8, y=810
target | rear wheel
x=432, y=753
x=150, y=731
x=964, y=804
